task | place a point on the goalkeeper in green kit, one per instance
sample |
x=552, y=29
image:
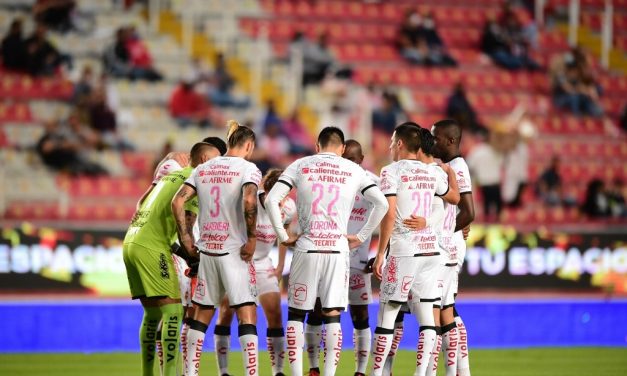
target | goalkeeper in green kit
x=148, y=259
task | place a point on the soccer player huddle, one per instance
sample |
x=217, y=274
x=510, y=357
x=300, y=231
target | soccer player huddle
x=203, y=232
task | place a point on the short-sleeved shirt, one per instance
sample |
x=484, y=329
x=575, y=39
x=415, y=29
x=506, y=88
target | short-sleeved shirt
x=464, y=184
x=218, y=184
x=266, y=236
x=165, y=168
x=326, y=185
x=359, y=216
x=414, y=184
x=154, y=226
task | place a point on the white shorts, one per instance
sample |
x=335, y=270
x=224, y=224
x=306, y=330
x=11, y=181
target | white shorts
x=323, y=275
x=185, y=283
x=410, y=275
x=359, y=287
x=449, y=286
x=267, y=282
x=228, y=274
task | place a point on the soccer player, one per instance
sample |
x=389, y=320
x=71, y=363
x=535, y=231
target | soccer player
x=175, y=161
x=268, y=278
x=448, y=134
x=443, y=224
x=149, y=266
x=226, y=188
x=359, y=290
x=326, y=186
x=410, y=187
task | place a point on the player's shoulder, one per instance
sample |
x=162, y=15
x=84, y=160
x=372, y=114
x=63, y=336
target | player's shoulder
x=458, y=164
x=374, y=177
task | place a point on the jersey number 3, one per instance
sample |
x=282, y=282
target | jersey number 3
x=215, y=195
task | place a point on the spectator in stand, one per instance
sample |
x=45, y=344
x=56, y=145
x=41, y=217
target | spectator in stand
x=221, y=93
x=13, y=54
x=55, y=14
x=271, y=116
x=485, y=164
x=140, y=57
x=300, y=140
x=505, y=46
x=528, y=30
x=61, y=152
x=549, y=186
x=275, y=145
x=596, y=203
x=128, y=57
x=459, y=108
x=42, y=58
x=574, y=89
x=318, y=60
x=389, y=115
x=623, y=119
x=616, y=198
x=420, y=42
x=85, y=85
x=188, y=107
x=103, y=121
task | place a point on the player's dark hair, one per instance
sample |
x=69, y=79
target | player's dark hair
x=272, y=176
x=197, y=151
x=409, y=133
x=351, y=142
x=330, y=136
x=452, y=129
x=216, y=142
x=238, y=134
x=427, y=141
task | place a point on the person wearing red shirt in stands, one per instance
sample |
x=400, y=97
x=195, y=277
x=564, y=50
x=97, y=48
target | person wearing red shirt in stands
x=187, y=106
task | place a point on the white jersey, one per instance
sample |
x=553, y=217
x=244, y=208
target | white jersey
x=326, y=186
x=464, y=184
x=218, y=183
x=414, y=184
x=359, y=216
x=166, y=168
x=266, y=237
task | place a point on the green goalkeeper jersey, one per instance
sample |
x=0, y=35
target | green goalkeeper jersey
x=154, y=226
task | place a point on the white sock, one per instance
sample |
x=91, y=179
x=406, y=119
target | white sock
x=313, y=336
x=195, y=340
x=295, y=340
x=159, y=350
x=380, y=349
x=426, y=342
x=399, y=327
x=275, y=340
x=333, y=347
x=184, y=330
x=433, y=359
x=450, y=342
x=222, y=345
x=463, y=361
x=362, y=338
x=249, y=343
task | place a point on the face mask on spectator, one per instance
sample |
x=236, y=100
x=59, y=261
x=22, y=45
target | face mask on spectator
x=415, y=20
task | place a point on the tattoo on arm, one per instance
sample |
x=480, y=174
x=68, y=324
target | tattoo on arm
x=184, y=194
x=250, y=209
x=190, y=219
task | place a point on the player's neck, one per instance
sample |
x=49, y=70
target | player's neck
x=450, y=155
x=407, y=155
x=328, y=151
x=238, y=153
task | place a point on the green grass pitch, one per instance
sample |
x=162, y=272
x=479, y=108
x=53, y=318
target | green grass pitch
x=532, y=362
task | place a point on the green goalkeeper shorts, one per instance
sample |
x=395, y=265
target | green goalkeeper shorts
x=150, y=273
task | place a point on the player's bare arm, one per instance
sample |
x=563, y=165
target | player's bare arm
x=418, y=223
x=250, y=216
x=278, y=271
x=387, y=225
x=466, y=212
x=184, y=194
x=452, y=196
x=180, y=158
